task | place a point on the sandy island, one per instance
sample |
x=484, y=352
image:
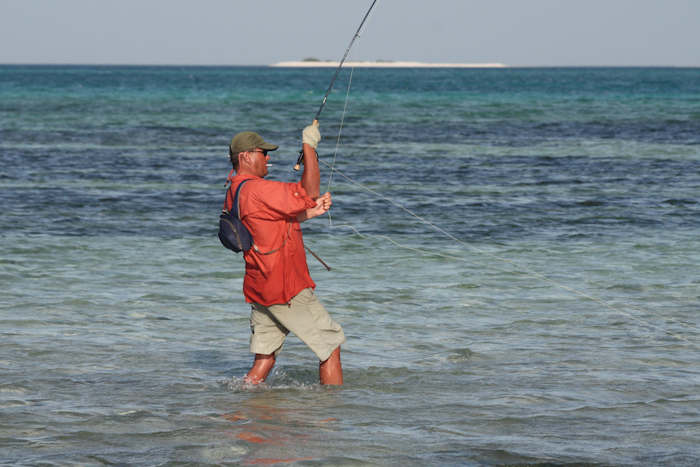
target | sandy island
x=313, y=63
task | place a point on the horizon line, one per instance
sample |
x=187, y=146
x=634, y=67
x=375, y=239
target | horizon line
x=335, y=64
x=383, y=64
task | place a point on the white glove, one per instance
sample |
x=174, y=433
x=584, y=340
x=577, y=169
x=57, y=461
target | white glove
x=311, y=135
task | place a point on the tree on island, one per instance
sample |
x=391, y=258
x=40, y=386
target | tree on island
x=314, y=59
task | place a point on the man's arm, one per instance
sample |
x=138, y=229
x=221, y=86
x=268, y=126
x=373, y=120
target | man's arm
x=311, y=177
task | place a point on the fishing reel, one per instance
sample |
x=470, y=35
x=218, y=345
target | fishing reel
x=300, y=159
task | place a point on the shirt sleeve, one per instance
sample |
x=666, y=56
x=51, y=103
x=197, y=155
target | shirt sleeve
x=271, y=200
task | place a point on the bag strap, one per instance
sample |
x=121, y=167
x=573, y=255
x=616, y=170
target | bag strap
x=234, y=202
x=255, y=247
x=237, y=205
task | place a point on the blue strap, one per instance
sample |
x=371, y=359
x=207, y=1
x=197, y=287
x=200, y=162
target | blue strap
x=235, y=200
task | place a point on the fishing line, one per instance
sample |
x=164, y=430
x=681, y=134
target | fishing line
x=665, y=317
x=370, y=13
x=532, y=274
x=342, y=120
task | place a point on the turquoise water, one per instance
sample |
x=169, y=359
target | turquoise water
x=124, y=332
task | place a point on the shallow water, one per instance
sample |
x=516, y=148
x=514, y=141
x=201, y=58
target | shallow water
x=124, y=331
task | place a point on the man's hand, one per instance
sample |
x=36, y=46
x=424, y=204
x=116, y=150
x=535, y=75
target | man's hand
x=323, y=204
x=311, y=135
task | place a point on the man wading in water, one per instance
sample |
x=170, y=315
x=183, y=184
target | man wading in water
x=277, y=283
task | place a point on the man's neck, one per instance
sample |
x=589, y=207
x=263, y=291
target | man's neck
x=243, y=171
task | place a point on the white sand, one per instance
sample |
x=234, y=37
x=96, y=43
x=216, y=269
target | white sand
x=389, y=65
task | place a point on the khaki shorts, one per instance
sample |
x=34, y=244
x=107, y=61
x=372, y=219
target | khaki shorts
x=307, y=318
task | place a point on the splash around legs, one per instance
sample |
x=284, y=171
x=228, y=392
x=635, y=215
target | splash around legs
x=330, y=371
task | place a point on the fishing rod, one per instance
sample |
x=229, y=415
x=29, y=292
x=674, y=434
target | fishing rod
x=300, y=160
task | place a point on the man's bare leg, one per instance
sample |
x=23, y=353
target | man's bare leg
x=330, y=371
x=261, y=368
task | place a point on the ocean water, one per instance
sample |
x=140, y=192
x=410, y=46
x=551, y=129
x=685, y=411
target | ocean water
x=124, y=332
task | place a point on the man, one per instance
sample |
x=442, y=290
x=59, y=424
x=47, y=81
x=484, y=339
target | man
x=277, y=283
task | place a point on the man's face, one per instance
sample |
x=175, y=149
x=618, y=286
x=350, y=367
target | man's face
x=258, y=161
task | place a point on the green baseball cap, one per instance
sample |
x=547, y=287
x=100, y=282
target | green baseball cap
x=248, y=140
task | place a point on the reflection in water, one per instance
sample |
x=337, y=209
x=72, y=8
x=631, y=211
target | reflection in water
x=277, y=432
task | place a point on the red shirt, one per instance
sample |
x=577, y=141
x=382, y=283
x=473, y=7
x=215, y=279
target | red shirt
x=267, y=208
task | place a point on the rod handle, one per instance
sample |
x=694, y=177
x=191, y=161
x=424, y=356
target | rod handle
x=300, y=160
x=316, y=256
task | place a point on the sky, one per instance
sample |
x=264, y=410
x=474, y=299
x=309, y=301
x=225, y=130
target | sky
x=262, y=32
